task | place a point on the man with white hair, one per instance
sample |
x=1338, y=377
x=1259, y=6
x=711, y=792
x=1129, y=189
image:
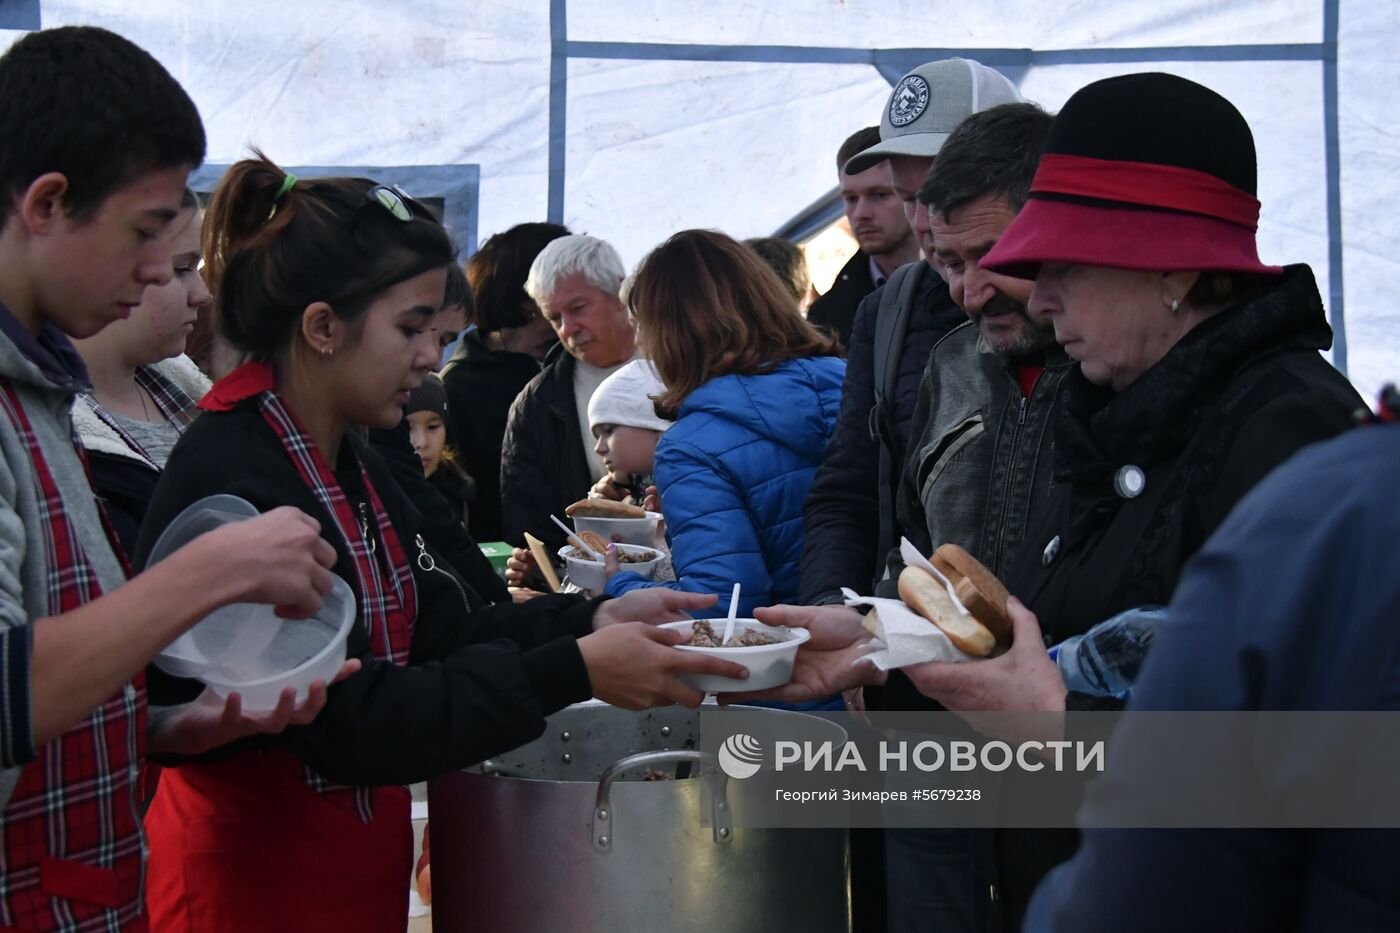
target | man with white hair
x=547, y=457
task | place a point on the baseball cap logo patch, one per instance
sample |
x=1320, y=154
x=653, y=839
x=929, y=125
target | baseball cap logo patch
x=909, y=100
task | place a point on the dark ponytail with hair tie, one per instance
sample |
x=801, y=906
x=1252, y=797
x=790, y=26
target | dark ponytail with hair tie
x=269, y=257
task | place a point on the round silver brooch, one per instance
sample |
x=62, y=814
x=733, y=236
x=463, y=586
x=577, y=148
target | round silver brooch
x=1129, y=482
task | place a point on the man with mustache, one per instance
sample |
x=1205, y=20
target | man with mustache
x=876, y=216
x=979, y=451
x=545, y=462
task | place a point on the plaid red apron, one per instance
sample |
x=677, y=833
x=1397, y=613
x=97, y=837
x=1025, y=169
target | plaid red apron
x=319, y=855
x=72, y=845
x=388, y=594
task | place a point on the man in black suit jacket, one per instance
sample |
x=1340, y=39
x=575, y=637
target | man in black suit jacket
x=877, y=220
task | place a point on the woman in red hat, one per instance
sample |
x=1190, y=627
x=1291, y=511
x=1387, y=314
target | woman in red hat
x=1199, y=366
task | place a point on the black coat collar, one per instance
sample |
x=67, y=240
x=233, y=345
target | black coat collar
x=557, y=383
x=1100, y=430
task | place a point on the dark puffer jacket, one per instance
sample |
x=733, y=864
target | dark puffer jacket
x=842, y=510
x=1238, y=395
x=543, y=466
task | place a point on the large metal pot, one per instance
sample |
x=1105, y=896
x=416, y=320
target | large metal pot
x=575, y=833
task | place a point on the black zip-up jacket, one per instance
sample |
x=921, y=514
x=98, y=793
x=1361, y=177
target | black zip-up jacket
x=980, y=458
x=843, y=507
x=543, y=466
x=438, y=505
x=981, y=451
x=477, y=684
x=124, y=487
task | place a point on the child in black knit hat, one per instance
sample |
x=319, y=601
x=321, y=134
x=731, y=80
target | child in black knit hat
x=427, y=422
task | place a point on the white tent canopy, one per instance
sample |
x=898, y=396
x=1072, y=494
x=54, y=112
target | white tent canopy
x=631, y=120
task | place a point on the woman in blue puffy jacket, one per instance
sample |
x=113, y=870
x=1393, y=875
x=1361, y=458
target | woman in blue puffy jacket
x=753, y=390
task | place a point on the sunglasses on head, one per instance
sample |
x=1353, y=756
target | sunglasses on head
x=390, y=198
x=393, y=199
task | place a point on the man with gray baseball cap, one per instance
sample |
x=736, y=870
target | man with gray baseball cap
x=895, y=329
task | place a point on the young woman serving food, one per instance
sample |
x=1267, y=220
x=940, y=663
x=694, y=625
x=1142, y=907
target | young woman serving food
x=329, y=286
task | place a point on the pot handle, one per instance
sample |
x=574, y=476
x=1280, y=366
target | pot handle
x=720, y=821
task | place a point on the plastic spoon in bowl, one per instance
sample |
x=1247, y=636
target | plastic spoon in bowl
x=733, y=611
x=575, y=540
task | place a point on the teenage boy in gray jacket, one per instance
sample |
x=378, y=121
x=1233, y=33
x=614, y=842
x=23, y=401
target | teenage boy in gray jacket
x=96, y=143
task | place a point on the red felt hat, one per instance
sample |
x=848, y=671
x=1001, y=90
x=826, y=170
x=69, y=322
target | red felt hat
x=1146, y=171
x=1123, y=238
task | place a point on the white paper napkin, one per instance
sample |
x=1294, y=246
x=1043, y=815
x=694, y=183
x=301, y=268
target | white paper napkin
x=908, y=637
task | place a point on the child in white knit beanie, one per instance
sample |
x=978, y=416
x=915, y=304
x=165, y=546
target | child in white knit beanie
x=626, y=426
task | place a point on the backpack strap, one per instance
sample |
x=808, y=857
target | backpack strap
x=890, y=328
x=896, y=302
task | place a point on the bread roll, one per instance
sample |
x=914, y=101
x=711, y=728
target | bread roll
x=604, y=508
x=978, y=589
x=593, y=540
x=871, y=622
x=923, y=593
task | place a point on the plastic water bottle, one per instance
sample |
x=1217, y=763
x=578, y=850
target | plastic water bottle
x=1105, y=660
